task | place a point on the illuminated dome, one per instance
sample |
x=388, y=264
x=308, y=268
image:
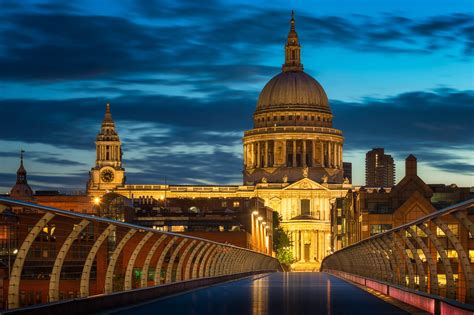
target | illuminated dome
x=294, y=90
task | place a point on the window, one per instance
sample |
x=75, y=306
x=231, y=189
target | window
x=454, y=229
x=282, y=118
x=224, y=204
x=439, y=232
x=274, y=118
x=305, y=117
x=471, y=256
x=379, y=228
x=290, y=117
x=319, y=118
x=305, y=207
x=236, y=204
x=312, y=117
x=298, y=117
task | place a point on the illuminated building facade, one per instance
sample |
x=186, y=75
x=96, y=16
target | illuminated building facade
x=367, y=211
x=292, y=161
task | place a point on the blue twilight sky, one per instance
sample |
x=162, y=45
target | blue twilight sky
x=183, y=78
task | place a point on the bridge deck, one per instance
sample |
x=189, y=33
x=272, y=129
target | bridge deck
x=278, y=293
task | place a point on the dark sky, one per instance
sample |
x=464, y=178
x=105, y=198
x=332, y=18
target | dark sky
x=183, y=78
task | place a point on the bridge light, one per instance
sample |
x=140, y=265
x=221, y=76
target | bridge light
x=96, y=200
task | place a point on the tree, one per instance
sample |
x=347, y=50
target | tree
x=281, y=242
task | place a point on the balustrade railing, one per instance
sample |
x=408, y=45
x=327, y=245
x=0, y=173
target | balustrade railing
x=53, y=254
x=434, y=254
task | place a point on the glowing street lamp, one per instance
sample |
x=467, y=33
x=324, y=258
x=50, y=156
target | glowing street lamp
x=96, y=201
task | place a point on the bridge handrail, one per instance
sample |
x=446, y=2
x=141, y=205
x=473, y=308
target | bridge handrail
x=405, y=256
x=190, y=257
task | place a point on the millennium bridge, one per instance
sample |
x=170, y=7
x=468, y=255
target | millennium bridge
x=62, y=261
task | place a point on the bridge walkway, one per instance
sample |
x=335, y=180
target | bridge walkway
x=276, y=293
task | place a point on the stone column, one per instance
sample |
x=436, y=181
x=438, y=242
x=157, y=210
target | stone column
x=292, y=238
x=302, y=246
x=245, y=156
x=340, y=156
x=313, y=245
x=294, y=153
x=322, y=153
x=321, y=245
x=313, y=157
x=258, y=154
x=266, y=154
x=303, y=157
x=330, y=154
x=254, y=155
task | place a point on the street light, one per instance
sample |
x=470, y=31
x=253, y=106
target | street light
x=96, y=201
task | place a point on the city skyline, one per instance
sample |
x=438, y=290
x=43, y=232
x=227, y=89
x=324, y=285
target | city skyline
x=407, y=89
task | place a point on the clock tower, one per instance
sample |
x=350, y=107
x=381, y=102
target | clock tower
x=108, y=173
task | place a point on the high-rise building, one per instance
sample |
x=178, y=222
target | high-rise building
x=347, y=170
x=379, y=169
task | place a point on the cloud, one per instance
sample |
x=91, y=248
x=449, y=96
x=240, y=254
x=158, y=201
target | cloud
x=428, y=124
x=193, y=141
x=64, y=43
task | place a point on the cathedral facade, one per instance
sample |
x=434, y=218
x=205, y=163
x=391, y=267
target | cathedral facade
x=292, y=159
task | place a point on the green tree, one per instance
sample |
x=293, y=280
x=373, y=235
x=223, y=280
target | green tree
x=281, y=242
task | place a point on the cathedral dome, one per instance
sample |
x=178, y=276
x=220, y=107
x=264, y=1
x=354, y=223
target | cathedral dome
x=294, y=90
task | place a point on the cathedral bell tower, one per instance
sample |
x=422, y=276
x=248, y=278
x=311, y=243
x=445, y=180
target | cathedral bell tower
x=108, y=173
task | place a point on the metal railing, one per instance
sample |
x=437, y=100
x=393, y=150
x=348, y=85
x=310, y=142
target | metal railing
x=433, y=254
x=54, y=254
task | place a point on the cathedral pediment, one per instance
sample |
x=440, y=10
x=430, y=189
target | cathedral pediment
x=305, y=183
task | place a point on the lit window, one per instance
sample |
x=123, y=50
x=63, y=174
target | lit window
x=454, y=228
x=439, y=232
x=236, y=204
x=379, y=228
x=421, y=254
x=177, y=228
x=471, y=256
x=451, y=253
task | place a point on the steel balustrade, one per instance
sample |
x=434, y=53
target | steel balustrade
x=113, y=255
x=433, y=254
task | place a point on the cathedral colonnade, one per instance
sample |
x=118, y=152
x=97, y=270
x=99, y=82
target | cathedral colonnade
x=293, y=153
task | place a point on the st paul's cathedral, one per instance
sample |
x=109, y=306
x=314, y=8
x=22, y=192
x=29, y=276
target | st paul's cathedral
x=292, y=159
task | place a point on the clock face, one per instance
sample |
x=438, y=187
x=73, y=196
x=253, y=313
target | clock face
x=107, y=176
